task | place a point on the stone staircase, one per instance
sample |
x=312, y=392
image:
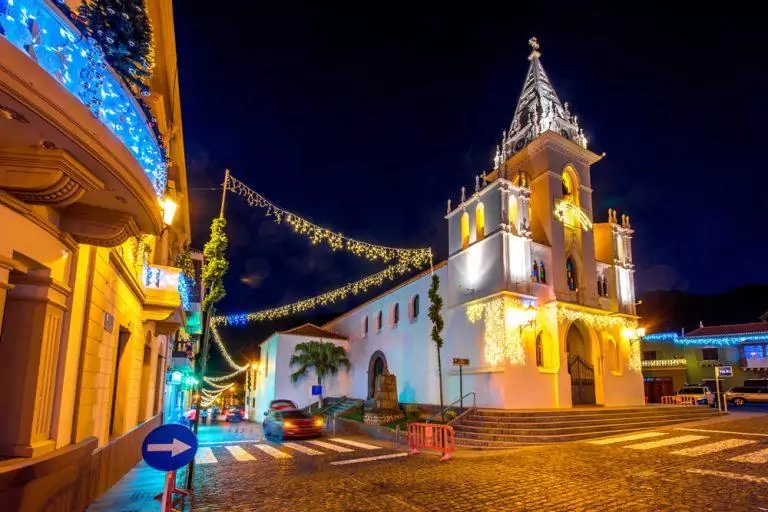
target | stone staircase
x=497, y=428
x=342, y=406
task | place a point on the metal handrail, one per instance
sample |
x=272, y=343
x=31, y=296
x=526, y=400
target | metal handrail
x=474, y=406
x=329, y=406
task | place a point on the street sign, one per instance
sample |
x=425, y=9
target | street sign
x=725, y=371
x=169, y=447
x=317, y=390
x=458, y=361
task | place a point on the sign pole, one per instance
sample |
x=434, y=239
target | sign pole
x=461, y=387
x=717, y=388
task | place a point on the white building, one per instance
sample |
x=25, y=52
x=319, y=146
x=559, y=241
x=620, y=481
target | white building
x=537, y=296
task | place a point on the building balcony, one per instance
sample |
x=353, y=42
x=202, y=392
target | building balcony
x=706, y=363
x=160, y=285
x=755, y=363
x=72, y=135
x=666, y=364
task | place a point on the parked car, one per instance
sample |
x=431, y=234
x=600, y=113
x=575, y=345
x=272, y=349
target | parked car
x=292, y=423
x=277, y=405
x=702, y=394
x=743, y=394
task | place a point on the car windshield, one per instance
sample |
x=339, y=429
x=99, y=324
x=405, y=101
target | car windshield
x=691, y=391
x=295, y=415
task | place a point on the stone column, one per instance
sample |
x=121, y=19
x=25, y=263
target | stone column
x=29, y=350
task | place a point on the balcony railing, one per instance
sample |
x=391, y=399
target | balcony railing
x=665, y=363
x=704, y=363
x=40, y=30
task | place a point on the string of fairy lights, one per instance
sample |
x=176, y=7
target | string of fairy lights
x=404, y=260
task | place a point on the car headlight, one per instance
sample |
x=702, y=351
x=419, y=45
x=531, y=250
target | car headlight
x=319, y=422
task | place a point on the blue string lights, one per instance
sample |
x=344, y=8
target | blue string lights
x=711, y=341
x=78, y=64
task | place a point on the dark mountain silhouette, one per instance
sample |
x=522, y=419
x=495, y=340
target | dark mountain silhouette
x=674, y=310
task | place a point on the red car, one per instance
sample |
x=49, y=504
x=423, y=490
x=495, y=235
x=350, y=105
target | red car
x=285, y=423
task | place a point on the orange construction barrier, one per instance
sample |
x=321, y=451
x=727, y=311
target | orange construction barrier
x=432, y=437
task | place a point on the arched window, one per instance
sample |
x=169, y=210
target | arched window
x=570, y=274
x=570, y=184
x=513, y=211
x=378, y=321
x=539, y=351
x=395, y=314
x=542, y=273
x=415, y=307
x=464, y=230
x=535, y=272
x=365, y=326
x=479, y=221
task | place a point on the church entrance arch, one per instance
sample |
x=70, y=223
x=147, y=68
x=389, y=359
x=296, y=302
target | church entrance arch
x=376, y=366
x=578, y=344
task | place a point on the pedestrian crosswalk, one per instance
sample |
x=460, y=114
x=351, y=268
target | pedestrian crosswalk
x=704, y=445
x=249, y=451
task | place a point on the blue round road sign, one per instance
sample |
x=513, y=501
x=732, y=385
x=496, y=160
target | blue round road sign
x=169, y=447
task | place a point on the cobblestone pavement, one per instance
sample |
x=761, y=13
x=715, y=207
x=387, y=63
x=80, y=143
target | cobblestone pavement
x=718, y=466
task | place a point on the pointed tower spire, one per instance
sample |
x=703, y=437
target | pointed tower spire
x=539, y=109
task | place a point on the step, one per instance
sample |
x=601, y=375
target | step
x=533, y=439
x=582, y=412
x=469, y=431
x=558, y=421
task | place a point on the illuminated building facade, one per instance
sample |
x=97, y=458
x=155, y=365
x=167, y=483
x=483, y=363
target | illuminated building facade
x=537, y=295
x=670, y=360
x=92, y=218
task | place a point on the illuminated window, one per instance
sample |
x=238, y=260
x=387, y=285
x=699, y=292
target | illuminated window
x=415, y=307
x=539, y=351
x=570, y=274
x=570, y=185
x=755, y=351
x=513, y=211
x=378, y=321
x=464, y=230
x=479, y=221
x=395, y=314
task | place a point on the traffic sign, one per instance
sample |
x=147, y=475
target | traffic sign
x=317, y=390
x=458, y=361
x=169, y=447
x=725, y=371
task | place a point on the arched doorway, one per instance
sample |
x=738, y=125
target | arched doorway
x=582, y=372
x=377, y=366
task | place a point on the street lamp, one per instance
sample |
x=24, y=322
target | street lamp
x=168, y=207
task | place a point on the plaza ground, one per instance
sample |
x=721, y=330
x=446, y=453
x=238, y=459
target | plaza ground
x=719, y=464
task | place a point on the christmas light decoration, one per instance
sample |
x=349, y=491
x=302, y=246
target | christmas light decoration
x=78, y=64
x=336, y=241
x=219, y=343
x=635, y=363
x=224, y=378
x=664, y=363
x=661, y=337
x=594, y=320
x=504, y=318
x=572, y=215
x=324, y=299
x=722, y=341
x=216, y=386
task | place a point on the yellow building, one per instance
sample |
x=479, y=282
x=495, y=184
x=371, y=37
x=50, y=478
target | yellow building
x=91, y=218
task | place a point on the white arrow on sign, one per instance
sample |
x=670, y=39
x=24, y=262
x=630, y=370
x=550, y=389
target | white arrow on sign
x=176, y=447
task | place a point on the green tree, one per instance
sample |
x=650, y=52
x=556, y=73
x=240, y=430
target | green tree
x=124, y=33
x=436, y=316
x=216, y=263
x=324, y=357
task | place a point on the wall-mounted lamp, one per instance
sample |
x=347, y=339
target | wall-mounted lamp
x=168, y=207
x=634, y=335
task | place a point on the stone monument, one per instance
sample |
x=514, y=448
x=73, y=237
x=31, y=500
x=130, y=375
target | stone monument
x=385, y=397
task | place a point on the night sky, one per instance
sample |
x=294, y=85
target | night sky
x=366, y=120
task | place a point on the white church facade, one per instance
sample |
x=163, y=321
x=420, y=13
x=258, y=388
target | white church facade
x=537, y=295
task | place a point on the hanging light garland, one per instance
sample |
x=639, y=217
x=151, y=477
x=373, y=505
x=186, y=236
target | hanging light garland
x=317, y=234
x=596, y=321
x=224, y=378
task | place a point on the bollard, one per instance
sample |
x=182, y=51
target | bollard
x=334, y=424
x=397, y=436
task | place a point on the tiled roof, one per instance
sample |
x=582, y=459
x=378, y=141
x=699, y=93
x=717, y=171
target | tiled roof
x=729, y=330
x=312, y=330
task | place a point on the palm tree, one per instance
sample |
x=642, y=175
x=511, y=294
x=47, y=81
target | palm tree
x=322, y=356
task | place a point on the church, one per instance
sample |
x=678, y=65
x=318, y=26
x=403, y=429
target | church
x=538, y=297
